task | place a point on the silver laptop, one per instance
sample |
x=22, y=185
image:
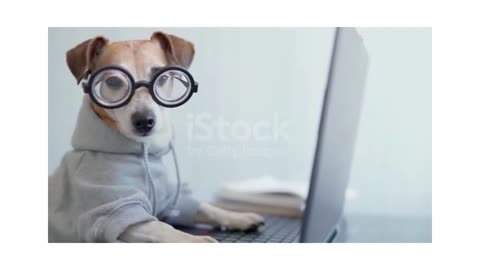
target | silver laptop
x=333, y=155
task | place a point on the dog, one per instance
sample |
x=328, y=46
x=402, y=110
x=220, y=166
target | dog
x=99, y=193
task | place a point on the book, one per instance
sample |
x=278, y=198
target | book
x=265, y=195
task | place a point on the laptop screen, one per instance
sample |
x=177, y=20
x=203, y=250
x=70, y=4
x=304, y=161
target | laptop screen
x=336, y=136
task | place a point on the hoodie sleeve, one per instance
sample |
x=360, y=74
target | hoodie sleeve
x=185, y=210
x=103, y=208
x=106, y=222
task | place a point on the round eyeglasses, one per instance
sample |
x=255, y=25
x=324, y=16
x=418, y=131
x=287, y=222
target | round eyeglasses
x=113, y=86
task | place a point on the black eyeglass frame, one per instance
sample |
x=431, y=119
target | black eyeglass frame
x=87, y=87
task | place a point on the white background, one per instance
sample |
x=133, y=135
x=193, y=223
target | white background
x=254, y=75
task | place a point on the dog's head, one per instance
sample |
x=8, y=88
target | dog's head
x=142, y=119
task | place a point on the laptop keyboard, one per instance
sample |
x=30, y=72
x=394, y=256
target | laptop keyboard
x=276, y=230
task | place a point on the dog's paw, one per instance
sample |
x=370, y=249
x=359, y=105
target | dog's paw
x=182, y=237
x=241, y=221
x=203, y=239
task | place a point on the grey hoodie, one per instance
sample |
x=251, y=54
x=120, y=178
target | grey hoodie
x=108, y=183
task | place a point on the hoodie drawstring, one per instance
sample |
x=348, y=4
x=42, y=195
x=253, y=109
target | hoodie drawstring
x=148, y=174
x=175, y=212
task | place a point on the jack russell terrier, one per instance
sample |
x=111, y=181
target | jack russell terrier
x=113, y=186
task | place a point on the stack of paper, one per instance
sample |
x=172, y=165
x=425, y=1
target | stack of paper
x=266, y=195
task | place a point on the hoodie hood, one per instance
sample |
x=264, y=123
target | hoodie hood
x=92, y=134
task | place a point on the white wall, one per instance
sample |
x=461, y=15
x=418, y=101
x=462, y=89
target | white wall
x=249, y=76
x=392, y=172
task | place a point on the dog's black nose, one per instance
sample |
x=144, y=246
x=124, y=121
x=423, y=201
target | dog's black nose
x=143, y=121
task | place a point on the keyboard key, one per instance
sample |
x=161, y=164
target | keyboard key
x=276, y=229
x=276, y=239
x=246, y=238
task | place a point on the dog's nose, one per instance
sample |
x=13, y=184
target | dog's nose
x=143, y=121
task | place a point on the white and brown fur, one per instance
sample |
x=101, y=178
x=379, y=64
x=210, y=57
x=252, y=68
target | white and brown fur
x=139, y=57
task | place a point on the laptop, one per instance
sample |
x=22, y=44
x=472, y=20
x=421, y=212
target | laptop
x=322, y=217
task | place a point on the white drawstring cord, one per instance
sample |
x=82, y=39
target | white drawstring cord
x=175, y=212
x=148, y=174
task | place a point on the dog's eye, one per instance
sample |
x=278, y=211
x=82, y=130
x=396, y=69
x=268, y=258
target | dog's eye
x=114, y=82
x=162, y=79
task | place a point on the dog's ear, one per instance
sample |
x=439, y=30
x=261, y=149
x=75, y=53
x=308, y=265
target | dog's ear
x=177, y=50
x=80, y=60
